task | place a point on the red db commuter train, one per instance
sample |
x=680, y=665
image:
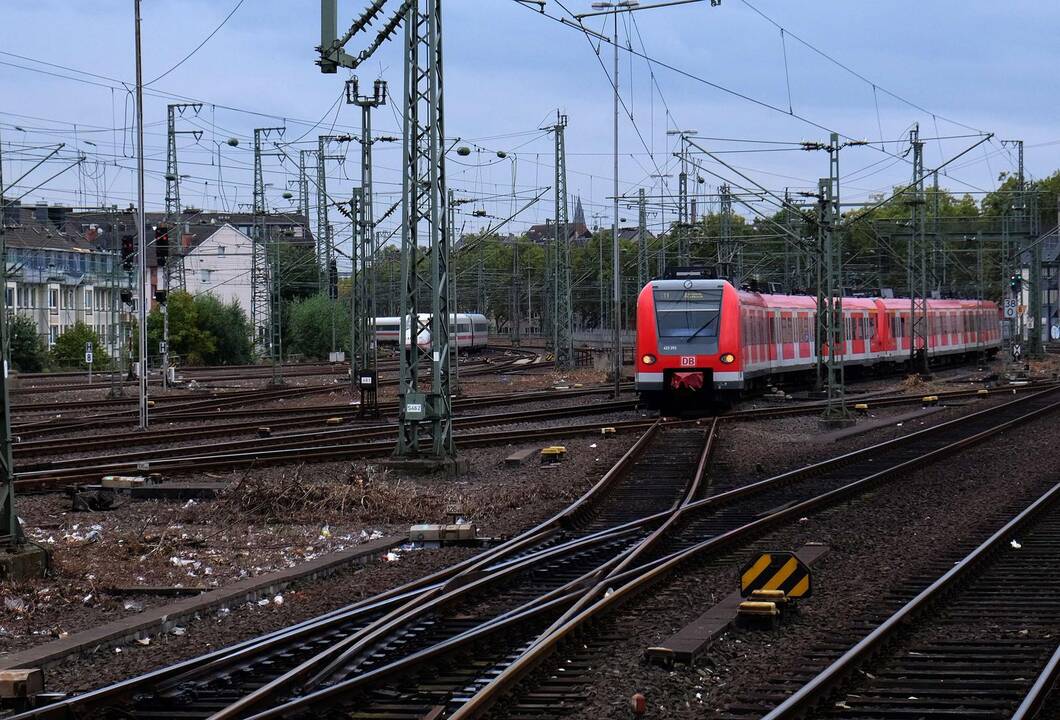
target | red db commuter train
x=702, y=339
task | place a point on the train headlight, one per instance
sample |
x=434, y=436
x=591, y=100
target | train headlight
x=647, y=359
x=728, y=358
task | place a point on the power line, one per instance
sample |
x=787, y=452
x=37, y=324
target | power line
x=199, y=46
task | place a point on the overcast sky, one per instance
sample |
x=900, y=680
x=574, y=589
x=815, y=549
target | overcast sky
x=956, y=68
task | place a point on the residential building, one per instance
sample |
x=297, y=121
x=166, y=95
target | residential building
x=220, y=264
x=57, y=279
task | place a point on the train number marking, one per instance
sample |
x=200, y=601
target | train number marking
x=688, y=361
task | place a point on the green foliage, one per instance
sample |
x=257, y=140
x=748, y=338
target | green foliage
x=298, y=272
x=28, y=352
x=69, y=348
x=227, y=324
x=187, y=339
x=202, y=330
x=309, y=326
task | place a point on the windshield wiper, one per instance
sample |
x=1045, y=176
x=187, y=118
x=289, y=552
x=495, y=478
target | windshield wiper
x=705, y=325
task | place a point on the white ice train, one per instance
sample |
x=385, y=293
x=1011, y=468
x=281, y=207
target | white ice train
x=470, y=330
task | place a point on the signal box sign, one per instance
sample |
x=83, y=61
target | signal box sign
x=776, y=571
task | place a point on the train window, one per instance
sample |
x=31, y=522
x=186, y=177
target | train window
x=463, y=327
x=688, y=313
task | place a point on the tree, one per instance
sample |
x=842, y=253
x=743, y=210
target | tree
x=28, y=353
x=309, y=324
x=186, y=338
x=69, y=348
x=229, y=328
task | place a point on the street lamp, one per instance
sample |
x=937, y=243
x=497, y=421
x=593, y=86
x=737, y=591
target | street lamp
x=605, y=8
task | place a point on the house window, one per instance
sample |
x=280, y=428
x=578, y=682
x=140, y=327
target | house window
x=204, y=275
x=53, y=334
x=220, y=249
x=88, y=302
x=53, y=301
x=9, y=296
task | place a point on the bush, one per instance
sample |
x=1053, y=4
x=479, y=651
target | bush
x=69, y=348
x=227, y=324
x=28, y=352
x=309, y=326
x=187, y=338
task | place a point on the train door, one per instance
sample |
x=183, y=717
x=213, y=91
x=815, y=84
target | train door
x=776, y=341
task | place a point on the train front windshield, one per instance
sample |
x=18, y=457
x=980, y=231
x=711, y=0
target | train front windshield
x=687, y=317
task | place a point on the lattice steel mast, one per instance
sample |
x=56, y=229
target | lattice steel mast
x=363, y=346
x=260, y=276
x=642, y=240
x=831, y=271
x=562, y=308
x=174, y=274
x=426, y=417
x=917, y=265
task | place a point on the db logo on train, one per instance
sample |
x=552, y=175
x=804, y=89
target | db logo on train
x=688, y=361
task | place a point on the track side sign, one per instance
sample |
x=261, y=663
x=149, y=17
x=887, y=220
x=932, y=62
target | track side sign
x=776, y=571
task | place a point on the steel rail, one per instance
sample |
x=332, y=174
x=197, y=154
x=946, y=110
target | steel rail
x=532, y=608
x=297, y=439
x=548, y=643
x=1044, y=684
x=817, y=689
x=450, y=577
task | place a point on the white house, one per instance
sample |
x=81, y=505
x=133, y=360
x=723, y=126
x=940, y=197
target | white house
x=221, y=265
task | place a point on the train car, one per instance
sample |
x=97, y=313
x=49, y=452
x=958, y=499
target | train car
x=470, y=331
x=700, y=340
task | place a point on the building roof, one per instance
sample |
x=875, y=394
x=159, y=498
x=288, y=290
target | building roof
x=541, y=233
x=195, y=226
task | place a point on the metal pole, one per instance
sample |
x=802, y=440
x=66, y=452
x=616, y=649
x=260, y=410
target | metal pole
x=141, y=225
x=10, y=528
x=616, y=269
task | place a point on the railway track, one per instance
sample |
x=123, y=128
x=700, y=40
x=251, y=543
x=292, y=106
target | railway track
x=456, y=644
x=215, y=399
x=533, y=572
x=349, y=443
x=322, y=446
x=276, y=419
x=981, y=641
x=731, y=516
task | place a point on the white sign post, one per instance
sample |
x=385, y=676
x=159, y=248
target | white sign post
x=88, y=360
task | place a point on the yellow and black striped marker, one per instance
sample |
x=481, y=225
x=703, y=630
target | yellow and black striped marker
x=776, y=571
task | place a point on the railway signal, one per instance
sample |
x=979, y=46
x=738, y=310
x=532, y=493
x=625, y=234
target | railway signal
x=128, y=252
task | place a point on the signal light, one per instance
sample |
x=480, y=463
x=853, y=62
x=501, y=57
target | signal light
x=127, y=296
x=161, y=296
x=333, y=280
x=128, y=251
x=648, y=359
x=162, y=245
x=728, y=358
x=1015, y=282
